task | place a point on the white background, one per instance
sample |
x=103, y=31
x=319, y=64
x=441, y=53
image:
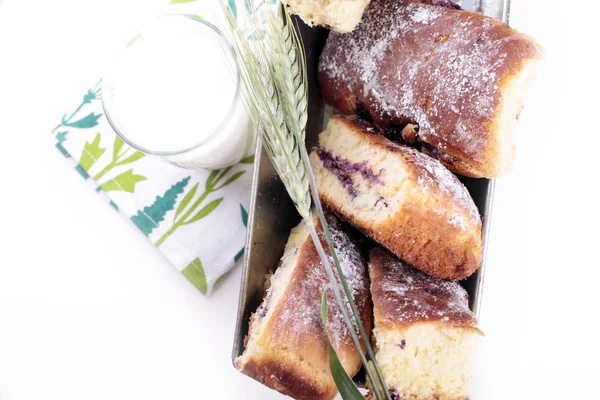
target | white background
x=88, y=310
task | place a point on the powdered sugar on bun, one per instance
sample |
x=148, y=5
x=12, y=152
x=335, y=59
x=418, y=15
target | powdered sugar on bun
x=455, y=74
x=404, y=295
x=440, y=177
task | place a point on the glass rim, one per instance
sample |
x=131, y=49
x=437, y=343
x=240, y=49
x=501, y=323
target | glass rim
x=212, y=135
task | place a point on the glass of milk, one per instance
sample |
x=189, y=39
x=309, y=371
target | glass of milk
x=173, y=91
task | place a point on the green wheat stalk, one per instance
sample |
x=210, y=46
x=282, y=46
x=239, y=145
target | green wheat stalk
x=273, y=73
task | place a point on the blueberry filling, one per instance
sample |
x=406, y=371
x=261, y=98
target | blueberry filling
x=382, y=200
x=261, y=312
x=343, y=168
x=402, y=344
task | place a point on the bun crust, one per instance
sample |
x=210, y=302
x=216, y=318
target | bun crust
x=286, y=346
x=403, y=199
x=393, y=282
x=457, y=76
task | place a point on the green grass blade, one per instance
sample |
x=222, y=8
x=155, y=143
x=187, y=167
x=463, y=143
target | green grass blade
x=345, y=385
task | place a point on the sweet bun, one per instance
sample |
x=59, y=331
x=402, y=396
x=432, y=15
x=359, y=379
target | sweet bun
x=286, y=346
x=446, y=81
x=405, y=200
x=426, y=336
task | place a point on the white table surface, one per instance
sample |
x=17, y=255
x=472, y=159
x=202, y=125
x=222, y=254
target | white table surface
x=88, y=310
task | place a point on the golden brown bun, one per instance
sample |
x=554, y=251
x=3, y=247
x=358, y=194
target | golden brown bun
x=458, y=76
x=286, y=348
x=403, y=199
x=427, y=338
x=403, y=296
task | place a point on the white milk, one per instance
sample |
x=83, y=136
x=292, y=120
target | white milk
x=171, y=92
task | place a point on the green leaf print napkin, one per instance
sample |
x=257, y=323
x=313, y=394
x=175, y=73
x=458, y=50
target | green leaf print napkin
x=196, y=218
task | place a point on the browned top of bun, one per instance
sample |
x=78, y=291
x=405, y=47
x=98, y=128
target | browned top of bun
x=438, y=67
x=403, y=295
x=298, y=315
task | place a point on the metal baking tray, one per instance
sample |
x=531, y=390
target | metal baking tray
x=272, y=213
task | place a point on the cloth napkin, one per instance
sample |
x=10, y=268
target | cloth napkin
x=195, y=218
